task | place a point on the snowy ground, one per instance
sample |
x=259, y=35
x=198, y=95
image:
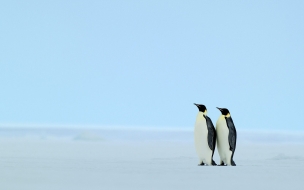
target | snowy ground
x=132, y=159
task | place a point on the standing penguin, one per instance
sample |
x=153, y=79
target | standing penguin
x=204, y=137
x=226, y=137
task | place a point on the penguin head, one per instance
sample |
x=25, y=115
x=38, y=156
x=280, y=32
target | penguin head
x=201, y=108
x=224, y=111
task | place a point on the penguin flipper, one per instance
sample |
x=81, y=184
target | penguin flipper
x=211, y=133
x=233, y=163
x=232, y=134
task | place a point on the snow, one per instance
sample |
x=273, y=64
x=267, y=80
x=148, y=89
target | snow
x=35, y=159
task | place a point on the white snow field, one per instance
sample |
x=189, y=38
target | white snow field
x=66, y=159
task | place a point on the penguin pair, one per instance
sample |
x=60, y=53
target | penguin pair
x=206, y=136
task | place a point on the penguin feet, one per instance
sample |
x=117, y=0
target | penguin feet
x=222, y=164
x=202, y=164
x=233, y=163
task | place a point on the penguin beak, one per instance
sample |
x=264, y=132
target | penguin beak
x=195, y=104
x=219, y=108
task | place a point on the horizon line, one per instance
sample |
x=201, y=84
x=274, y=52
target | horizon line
x=124, y=127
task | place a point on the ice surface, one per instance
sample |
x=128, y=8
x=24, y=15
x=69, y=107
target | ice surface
x=54, y=160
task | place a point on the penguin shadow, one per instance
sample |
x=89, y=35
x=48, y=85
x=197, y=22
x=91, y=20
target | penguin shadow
x=214, y=164
x=211, y=165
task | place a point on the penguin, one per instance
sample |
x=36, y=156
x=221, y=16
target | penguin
x=226, y=138
x=204, y=137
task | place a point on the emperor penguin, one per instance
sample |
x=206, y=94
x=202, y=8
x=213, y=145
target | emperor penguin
x=204, y=137
x=226, y=137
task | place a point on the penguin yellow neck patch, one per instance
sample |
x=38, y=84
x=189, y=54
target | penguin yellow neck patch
x=205, y=112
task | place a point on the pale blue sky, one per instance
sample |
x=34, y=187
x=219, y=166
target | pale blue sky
x=144, y=63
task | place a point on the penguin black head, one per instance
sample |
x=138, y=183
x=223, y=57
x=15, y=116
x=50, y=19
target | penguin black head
x=201, y=107
x=224, y=111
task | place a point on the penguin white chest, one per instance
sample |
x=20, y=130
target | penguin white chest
x=223, y=147
x=201, y=140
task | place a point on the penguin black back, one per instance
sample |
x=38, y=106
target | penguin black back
x=211, y=133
